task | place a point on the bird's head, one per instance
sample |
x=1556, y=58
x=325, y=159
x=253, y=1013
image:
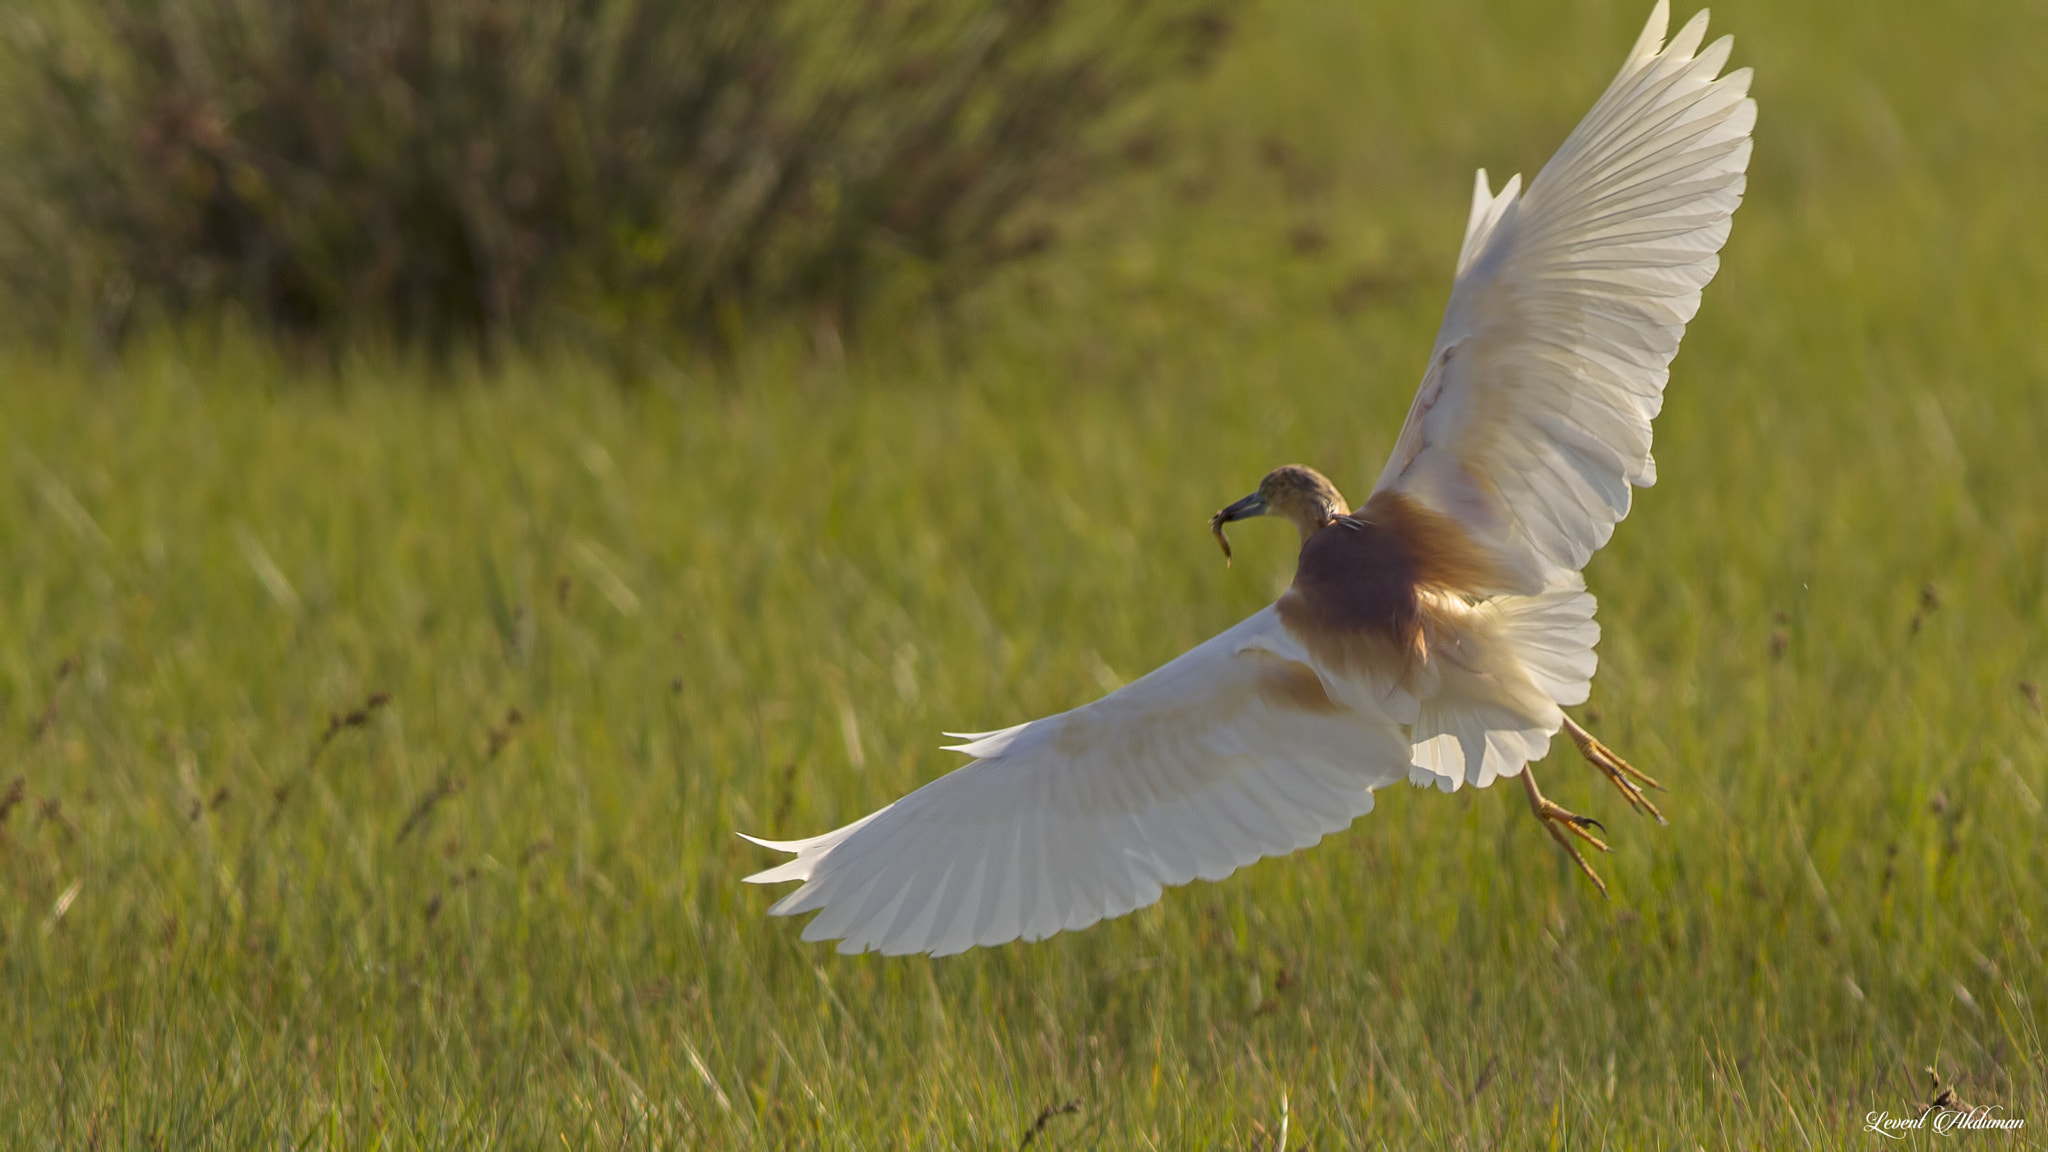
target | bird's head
x=1299, y=494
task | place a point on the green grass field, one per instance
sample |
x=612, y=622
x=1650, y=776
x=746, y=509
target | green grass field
x=617, y=624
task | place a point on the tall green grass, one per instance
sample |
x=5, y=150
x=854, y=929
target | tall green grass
x=749, y=600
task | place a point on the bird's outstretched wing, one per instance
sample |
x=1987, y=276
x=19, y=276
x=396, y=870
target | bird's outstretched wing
x=1534, y=415
x=1234, y=751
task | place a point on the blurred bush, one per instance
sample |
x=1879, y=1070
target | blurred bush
x=469, y=169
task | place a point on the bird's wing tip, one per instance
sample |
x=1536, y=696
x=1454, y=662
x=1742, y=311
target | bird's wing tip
x=780, y=874
x=1654, y=28
x=774, y=845
x=797, y=869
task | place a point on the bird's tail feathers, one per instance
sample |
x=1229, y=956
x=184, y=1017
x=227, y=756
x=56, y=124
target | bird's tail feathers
x=1552, y=635
x=1496, y=708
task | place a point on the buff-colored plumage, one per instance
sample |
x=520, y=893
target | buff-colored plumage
x=1432, y=635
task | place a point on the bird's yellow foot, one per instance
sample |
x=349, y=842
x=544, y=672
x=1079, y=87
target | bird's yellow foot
x=1562, y=824
x=1625, y=777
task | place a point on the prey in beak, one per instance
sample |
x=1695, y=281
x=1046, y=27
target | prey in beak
x=1245, y=509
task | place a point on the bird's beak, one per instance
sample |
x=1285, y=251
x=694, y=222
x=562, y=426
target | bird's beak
x=1245, y=509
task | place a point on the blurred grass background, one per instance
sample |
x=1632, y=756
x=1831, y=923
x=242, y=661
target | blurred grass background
x=618, y=621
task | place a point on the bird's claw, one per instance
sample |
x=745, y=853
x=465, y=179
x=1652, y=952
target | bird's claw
x=1572, y=850
x=1563, y=824
x=1560, y=820
x=1627, y=779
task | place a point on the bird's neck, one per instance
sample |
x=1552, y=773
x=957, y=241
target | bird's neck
x=1311, y=517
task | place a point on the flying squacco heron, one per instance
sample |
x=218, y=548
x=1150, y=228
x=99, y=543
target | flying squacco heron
x=1434, y=633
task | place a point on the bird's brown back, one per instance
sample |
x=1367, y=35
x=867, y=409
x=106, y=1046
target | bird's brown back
x=1359, y=586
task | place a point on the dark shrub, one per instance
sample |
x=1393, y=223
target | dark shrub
x=462, y=168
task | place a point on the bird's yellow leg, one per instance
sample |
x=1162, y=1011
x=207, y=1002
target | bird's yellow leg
x=1626, y=777
x=1559, y=820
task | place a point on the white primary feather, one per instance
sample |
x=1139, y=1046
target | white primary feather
x=1193, y=771
x=1533, y=418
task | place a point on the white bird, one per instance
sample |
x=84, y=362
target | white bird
x=1432, y=635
